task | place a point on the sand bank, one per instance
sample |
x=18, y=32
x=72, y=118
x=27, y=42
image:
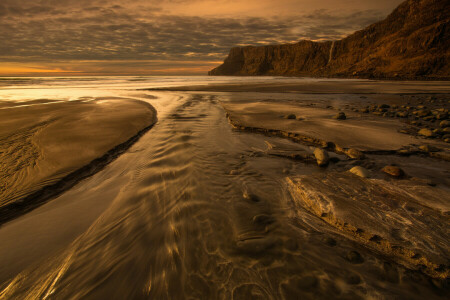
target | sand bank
x=47, y=146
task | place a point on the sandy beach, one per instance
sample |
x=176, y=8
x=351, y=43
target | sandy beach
x=263, y=190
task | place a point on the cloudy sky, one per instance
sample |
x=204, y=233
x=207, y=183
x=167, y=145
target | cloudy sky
x=162, y=37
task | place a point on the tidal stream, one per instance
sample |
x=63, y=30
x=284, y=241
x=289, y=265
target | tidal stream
x=193, y=210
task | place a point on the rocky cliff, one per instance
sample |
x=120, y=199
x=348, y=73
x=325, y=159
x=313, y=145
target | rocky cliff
x=413, y=42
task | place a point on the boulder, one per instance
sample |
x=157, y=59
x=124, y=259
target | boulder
x=360, y=171
x=444, y=123
x=393, y=171
x=340, y=116
x=425, y=132
x=291, y=117
x=321, y=157
x=355, y=154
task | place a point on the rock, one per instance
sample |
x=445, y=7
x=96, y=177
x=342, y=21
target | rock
x=321, y=157
x=360, y=171
x=444, y=124
x=393, y=171
x=429, y=118
x=251, y=197
x=384, y=106
x=422, y=113
x=340, y=116
x=355, y=154
x=428, y=148
x=354, y=257
x=442, y=116
x=402, y=114
x=425, y=132
x=263, y=219
x=365, y=110
x=446, y=130
x=412, y=39
x=291, y=117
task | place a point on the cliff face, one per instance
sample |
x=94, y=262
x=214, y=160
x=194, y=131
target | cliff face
x=413, y=42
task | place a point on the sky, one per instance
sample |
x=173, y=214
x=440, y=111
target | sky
x=162, y=37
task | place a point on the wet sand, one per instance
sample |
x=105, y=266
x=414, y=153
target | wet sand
x=200, y=208
x=47, y=146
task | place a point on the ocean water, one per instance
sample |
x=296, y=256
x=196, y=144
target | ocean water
x=193, y=210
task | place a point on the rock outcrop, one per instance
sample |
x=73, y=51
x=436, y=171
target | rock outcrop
x=413, y=42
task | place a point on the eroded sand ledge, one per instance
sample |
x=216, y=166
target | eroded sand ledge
x=47, y=148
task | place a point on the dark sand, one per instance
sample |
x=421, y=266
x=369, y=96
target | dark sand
x=42, y=141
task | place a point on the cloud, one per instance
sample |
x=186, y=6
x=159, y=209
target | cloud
x=106, y=30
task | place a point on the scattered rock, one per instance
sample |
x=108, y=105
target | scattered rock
x=360, y=171
x=321, y=157
x=291, y=117
x=355, y=154
x=354, y=257
x=425, y=132
x=444, y=123
x=394, y=171
x=340, y=116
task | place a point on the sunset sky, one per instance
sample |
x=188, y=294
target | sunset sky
x=164, y=37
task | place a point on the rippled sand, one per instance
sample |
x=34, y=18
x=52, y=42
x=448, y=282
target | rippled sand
x=198, y=210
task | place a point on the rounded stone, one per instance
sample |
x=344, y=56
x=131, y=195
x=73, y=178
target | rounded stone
x=393, y=171
x=360, y=171
x=321, y=157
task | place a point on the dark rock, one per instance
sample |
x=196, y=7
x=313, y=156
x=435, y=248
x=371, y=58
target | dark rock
x=340, y=116
x=291, y=117
x=251, y=197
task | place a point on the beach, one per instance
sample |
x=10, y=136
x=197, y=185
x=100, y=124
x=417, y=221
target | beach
x=224, y=188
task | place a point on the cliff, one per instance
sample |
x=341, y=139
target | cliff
x=413, y=42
